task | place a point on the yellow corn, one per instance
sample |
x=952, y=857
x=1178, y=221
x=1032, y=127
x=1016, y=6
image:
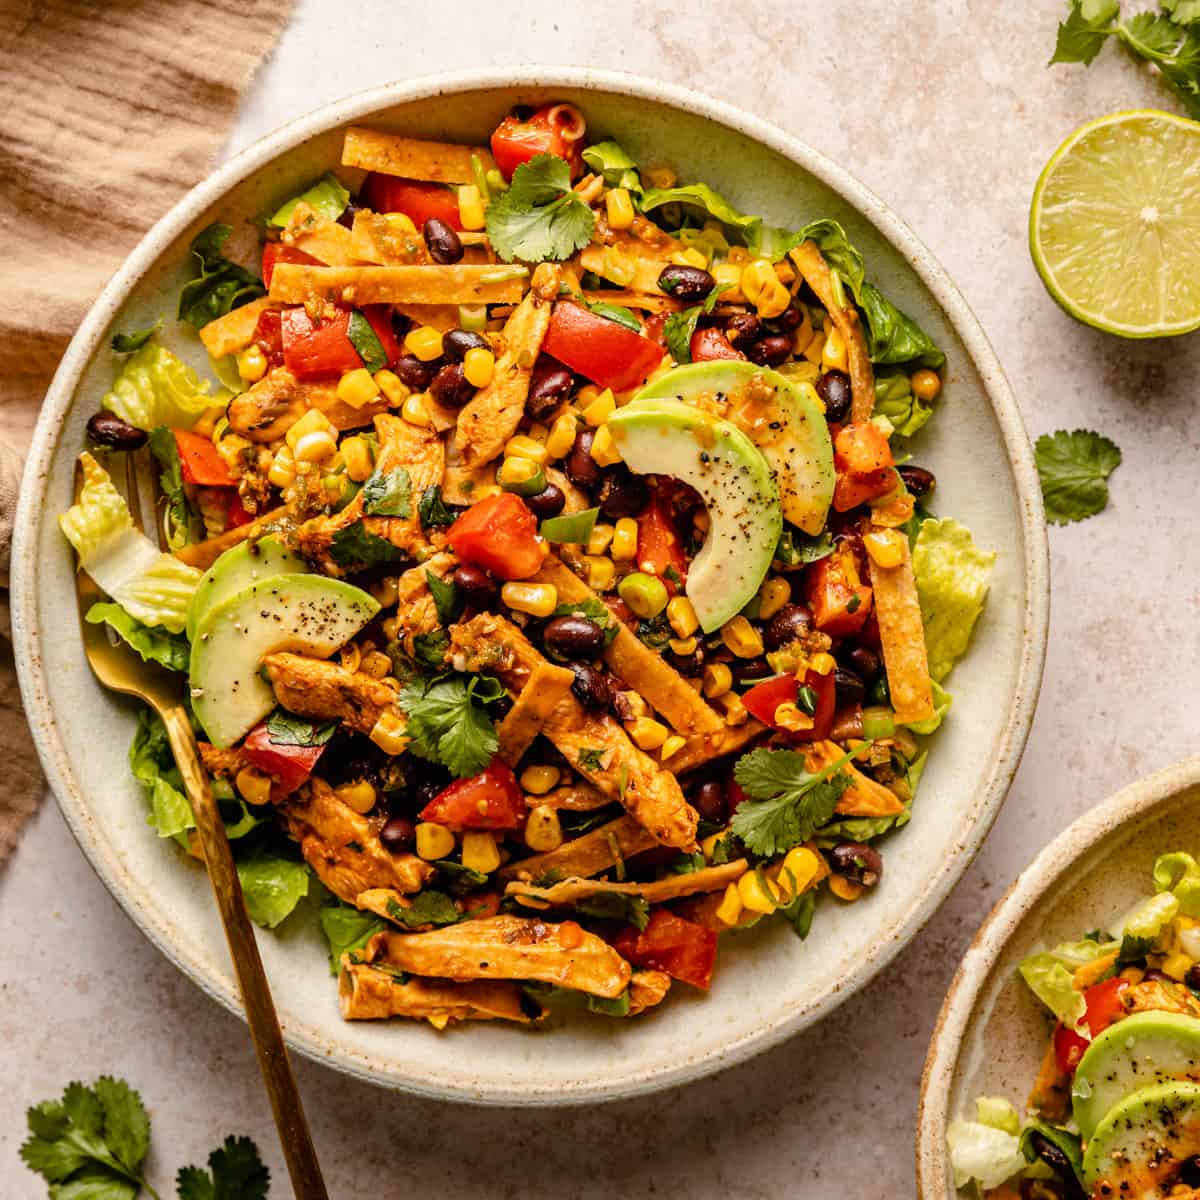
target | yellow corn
x=800, y=867
x=843, y=889
x=283, y=468
x=359, y=796
x=822, y=663
x=357, y=388
x=708, y=847
x=661, y=177
x=386, y=591
x=438, y=1020
x=718, y=679
x=357, y=454
x=586, y=395
x=400, y=222
x=253, y=786
x=561, y=437
x=539, y=433
x=315, y=446
x=600, y=573
x=673, y=744
x=736, y=712
x=252, y=363
x=536, y=599
x=525, y=447
x=833, y=354
x=925, y=384
x=625, y=540
x=634, y=705
x=741, y=638
x=772, y=596
x=604, y=449
x=393, y=387
x=681, y=616
x=516, y=471
x=376, y=664
x=414, y=411
x=425, y=342
x=543, y=830
x=601, y=408
x=539, y=780
x=727, y=274
x=313, y=421
x=1177, y=966
x=388, y=734
x=813, y=350
x=470, y=207
x=691, y=257
x=600, y=539
x=773, y=299
x=647, y=733
x=683, y=646
x=434, y=841
x=789, y=716
x=619, y=208
x=730, y=908
x=885, y=547
x=755, y=276
x=480, y=852
x=757, y=892
x=479, y=365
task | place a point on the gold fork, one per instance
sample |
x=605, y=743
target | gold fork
x=119, y=668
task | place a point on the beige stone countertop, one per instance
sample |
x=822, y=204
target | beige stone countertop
x=946, y=109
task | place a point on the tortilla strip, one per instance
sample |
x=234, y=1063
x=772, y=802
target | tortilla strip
x=375, y=239
x=902, y=636
x=703, y=749
x=646, y=266
x=326, y=240
x=412, y=158
x=662, y=687
x=494, y=412
x=673, y=887
x=268, y=409
x=588, y=855
x=571, y=797
x=235, y=330
x=643, y=301
x=864, y=797
x=481, y=283
x=367, y=993
x=547, y=685
x=204, y=554
x=811, y=264
x=508, y=947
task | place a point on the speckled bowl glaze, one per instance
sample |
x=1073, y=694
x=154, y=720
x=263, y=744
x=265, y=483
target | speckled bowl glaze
x=991, y=1032
x=769, y=985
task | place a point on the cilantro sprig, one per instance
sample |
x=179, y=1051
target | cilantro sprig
x=1074, y=469
x=448, y=721
x=680, y=326
x=539, y=217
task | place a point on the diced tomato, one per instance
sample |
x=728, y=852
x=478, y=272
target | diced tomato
x=236, y=513
x=547, y=131
x=417, y=201
x=685, y=950
x=200, y=462
x=839, y=600
x=607, y=353
x=1069, y=1048
x=490, y=800
x=379, y=317
x=849, y=491
x=1104, y=1007
x=710, y=344
x=653, y=328
x=275, y=253
x=499, y=534
x=268, y=335
x=736, y=794
x=659, y=549
x=288, y=766
x=763, y=699
x=864, y=461
x=313, y=351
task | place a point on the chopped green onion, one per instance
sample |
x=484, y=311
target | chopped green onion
x=472, y=317
x=878, y=722
x=806, y=700
x=575, y=528
x=495, y=181
x=618, y=1006
x=481, y=181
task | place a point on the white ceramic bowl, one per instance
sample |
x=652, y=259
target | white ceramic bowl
x=992, y=1031
x=769, y=985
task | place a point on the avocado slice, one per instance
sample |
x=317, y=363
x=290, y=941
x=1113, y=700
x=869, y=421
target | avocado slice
x=238, y=568
x=789, y=428
x=1139, y=1050
x=1137, y=1150
x=669, y=437
x=305, y=613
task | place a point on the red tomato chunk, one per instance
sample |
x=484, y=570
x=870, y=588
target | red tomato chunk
x=490, y=800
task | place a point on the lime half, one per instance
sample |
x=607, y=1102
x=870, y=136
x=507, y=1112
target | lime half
x=1115, y=224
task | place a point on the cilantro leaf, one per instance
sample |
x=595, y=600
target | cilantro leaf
x=433, y=511
x=617, y=313
x=1073, y=468
x=591, y=758
x=446, y=598
x=539, y=216
x=1183, y=12
x=616, y=906
x=1082, y=35
x=426, y=908
x=388, y=495
x=152, y=642
x=796, y=548
x=357, y=546
x=680, y=326
x=220, y=285
x=449, y=723
x=460, y=879
x=183, y=526
x=127, y=343
x=126, y=1125
x=237, y=1173
x=287, y=729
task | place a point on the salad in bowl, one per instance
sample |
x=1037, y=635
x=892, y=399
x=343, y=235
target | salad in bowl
x=550, y=583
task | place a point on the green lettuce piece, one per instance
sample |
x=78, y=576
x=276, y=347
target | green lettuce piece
x=998, y=1113
x=701, y=196
x=952, y=581
x=862, y=829
x=154, y=387
x=619, y=170
x=893, y=336
x=916, y=769
x=895, y=400
x=1147, y=918
x=272, y=886
x=327, y=197
x=347, y=929
x=942, y=700
x=983, y=1153
x=153, y=766
x=1049, y=975
x=219, y=286
x=154, y=644
x=1179, y=874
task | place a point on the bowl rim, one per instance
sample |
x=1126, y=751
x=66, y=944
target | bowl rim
x=1008, y=748
x=1085, y=833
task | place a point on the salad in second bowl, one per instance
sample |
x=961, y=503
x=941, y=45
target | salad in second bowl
x=549, y=582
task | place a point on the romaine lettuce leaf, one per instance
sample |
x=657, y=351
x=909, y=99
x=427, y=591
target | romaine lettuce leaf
x=155, y=388
x=154, y=644
x=952, y=582
x=982, y=1152
x=220, y=286
x=327, y=197
x=1049, y=975
x=701, y=196
x=1179, y=873
x=1147, y=918
x=893, y=336
x=894, y=399
x=153, y=766
x=273, y=886
x=998, y=1113
x=347, y=929
x=942, y=700
x=619, y=170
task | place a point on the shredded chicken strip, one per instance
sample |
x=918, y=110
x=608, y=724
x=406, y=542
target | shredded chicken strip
x=547, y=685
x=224, y=764
x=573, y=797
x=600, y=850
x=460, y=483
x=864, y=797
x=269, y=408
x=673, y=887
x=370, y=993
x=416, y=612
x=646, y=990
x=326, y=691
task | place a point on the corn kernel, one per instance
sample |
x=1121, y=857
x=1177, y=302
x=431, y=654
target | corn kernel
x=376, y=664
x=315, y=447
x=1177, y=966
x=683, y=646
x=681, y=616
x=543, y=830
x=730, y=908
x=800, y=868
x=633, y=705
x=393, y=387
x=480, y=852
x=536, y=599
x=425, y=342
x=758, y=893
x=434, y=841
x=925, y=384
x=252, y=363
x=517, y=472
x=772, y=596
x=539, y=780
x=885, y=547
x=600, y=539
x=843, y=889
x=708, y=847
x=539, y=432
x=755, y=276
x=672, y=745
x=400, y=222
x=253, y=786
x=561, y=437
x=359, y=796
x=691, y=257
x=525, y=447
x=822, y=663
x=833, y=354
x=619, y=208
x=647, y=733
x=350, y=656
x=600, y=573
x=470, y=207
x=479, y=365
x=415, y=412
x=727, y=274
x=741, y=638
x=283, y=468
x=773, y=299
x=357, y=388
x=438, y=1020
x=718, y=679
x=736, y=712
x=600, y=409
x=625, y=540
x=313, y=421
x=586, y=395
x=790, y=717
x=661, y=177
x=388, y=734
x=604, y=449
x=359, y=463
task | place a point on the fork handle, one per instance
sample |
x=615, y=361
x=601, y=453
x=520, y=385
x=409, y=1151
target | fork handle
x=298, y=1149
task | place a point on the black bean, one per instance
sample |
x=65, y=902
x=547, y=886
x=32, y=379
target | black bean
x=690, y=665
x=1192, y=978
x=573, y=637
x=445, y=246
x=865, y=663
x=918, y=480
x=743, y=328
x=549, y=385
x=770, y=351
x=792, y=621
x=689, y=284
x=457, y=342
x=414, y=373
x=1189, y=1173
x=450, y=386
x=428, y=789
x=593, y=689
x=478, y=588
x=849, y=688
x=834, y=388
x=709, y=801
x=105, y=429
x=1051, y=1154
x=622, y=493
x=751, y=670
x=789, y=320
x=856, y=862
x=347, y=217
x=582, y=469
x=547, y=503
x=398, y=835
